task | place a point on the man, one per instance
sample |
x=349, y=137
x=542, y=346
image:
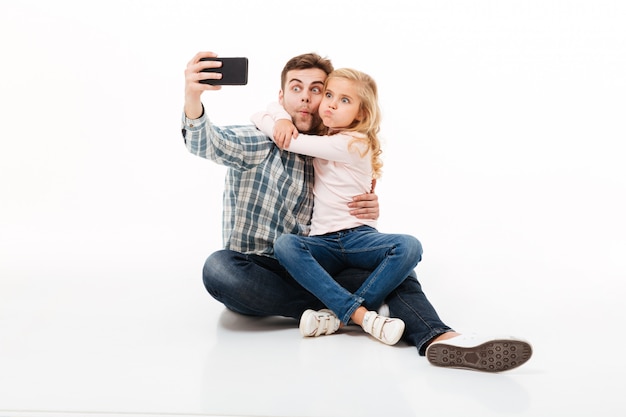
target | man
x=269, y=192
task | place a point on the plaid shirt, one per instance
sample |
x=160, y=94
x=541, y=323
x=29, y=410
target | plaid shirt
x=267, y=192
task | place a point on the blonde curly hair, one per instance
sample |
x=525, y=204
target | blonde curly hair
x=369, y=124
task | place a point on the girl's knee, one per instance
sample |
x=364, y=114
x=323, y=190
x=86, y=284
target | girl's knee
x=413, y=246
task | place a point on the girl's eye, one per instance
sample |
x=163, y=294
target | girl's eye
x=345, y=100
x=328, y=95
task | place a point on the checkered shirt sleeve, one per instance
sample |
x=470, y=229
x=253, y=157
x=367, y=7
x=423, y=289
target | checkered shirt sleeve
x=267, y=191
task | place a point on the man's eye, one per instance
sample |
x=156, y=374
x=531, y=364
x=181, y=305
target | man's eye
x=296, y=89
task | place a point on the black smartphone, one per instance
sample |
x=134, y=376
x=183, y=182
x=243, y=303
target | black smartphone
x=234, y=71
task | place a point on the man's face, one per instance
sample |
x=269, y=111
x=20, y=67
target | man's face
x=301, y=97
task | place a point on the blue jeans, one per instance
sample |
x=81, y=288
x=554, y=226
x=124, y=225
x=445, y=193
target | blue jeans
x=259, y=286
x=312, y=260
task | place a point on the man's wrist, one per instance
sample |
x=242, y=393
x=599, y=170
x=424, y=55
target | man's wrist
x=191, y=122
x=194, y=108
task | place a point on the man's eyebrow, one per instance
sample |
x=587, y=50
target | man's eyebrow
x=296, y=80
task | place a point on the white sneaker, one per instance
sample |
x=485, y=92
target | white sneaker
x=385, y=329
x=479, y=353
x=317, y=323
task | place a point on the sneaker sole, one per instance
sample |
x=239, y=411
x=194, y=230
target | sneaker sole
x=492, y=356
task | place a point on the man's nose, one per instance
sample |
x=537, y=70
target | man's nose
x=306, y=98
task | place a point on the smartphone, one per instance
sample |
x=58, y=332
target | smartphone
x=234, y=71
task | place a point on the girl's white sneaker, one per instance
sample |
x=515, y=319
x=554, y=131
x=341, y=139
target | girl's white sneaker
x=317, y=323
x=387, y=330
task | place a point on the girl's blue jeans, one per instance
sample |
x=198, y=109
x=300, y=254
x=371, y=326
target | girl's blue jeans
x=314, y=260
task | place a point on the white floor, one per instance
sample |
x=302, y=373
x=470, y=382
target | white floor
x=125, y=328
x=503, y=155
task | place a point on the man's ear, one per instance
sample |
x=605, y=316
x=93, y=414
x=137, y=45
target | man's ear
x=280, y=97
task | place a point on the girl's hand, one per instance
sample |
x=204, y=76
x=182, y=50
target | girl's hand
x=284, y=130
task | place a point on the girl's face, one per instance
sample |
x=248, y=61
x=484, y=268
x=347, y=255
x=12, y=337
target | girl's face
x=340, y=105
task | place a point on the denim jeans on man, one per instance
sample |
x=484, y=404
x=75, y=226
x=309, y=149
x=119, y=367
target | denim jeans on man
x=313, y=260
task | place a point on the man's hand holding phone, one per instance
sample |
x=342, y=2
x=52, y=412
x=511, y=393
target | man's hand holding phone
x=205, y=72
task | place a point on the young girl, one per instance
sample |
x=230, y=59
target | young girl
x=346, y=160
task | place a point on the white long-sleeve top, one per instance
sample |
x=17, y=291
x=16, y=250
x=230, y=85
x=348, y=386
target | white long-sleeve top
x=340, y=172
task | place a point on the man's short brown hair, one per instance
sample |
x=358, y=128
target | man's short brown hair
x=305, y=61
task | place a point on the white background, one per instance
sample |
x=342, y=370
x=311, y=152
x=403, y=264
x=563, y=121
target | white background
x=503, y=126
